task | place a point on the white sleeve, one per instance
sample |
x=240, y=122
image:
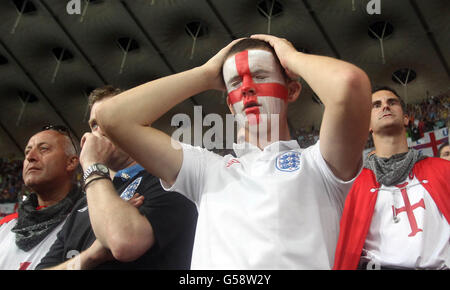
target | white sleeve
x=191, y=178
x=339, y=188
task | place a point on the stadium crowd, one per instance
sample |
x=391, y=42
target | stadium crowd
x=11, y=183
x=430, y=114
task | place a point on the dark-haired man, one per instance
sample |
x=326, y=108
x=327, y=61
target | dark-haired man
x=397, y=213
x=274, y=205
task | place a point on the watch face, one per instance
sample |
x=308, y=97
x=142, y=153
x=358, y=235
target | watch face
x=102, y=168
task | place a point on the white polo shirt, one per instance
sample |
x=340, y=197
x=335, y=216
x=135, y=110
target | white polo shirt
x=265, y=209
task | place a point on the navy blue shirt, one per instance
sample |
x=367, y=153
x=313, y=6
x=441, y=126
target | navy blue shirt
x=172, y=216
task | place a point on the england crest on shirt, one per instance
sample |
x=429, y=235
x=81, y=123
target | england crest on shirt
x=288, y=161
x=128, y=193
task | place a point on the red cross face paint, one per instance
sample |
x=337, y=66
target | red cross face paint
x=255, y=84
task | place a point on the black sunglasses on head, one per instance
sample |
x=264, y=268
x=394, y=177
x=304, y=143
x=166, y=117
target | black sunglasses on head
x=61, y=129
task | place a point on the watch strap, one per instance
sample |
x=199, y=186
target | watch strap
x=94, y=169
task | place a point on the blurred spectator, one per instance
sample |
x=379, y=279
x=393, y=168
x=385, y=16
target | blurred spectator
x=429, y=115
x=306, y=138
x=11, y=183
x=444, y=151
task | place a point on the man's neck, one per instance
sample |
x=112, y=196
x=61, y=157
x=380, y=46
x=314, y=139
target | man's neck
x=388, y=145
x=268, y=137
x=113, y=173
x=53, y=195
x=120, y=165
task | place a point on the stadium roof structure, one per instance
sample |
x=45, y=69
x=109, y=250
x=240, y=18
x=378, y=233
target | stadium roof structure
x=51, y=59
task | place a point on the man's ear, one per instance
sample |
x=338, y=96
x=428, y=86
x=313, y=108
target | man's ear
x=72, y=163
x=294, y=89
x=405, y=120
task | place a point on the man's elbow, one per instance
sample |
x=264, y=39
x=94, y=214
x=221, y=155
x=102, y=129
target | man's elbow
x=126, y=254
x=355, y=77
x=128, y=250
x=355, y=86
x=106, y=117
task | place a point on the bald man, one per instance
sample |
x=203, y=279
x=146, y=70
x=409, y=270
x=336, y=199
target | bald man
x=49, y=169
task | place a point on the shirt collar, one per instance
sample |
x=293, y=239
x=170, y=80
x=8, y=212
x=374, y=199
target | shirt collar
x=245, y=147
x=129, y=172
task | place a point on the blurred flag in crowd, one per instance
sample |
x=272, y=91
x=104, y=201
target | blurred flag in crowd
x=429, y=144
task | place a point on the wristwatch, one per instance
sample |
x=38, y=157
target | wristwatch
x=97, y=169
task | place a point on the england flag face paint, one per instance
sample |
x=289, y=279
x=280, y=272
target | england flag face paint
x=255, y=84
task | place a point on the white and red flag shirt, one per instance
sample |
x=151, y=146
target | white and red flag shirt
x=13, y=258
x=407, y=229
x=402, y=226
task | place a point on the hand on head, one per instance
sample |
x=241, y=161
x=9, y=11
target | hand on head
x=284, y=50
x=213, y=67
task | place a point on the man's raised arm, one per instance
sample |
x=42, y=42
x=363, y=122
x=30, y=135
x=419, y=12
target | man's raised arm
x=127, y=118
x=345, y=91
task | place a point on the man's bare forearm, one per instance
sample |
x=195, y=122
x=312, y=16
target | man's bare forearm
x=83, y=261
x=118, y=225
x=333, y=80
x=345, y=91
x=146, y=103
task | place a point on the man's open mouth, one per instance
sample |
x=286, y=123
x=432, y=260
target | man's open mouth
x=251, y=108
x=250, y=105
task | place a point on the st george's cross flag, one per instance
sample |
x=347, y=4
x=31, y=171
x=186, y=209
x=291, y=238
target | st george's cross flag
x=429, y=144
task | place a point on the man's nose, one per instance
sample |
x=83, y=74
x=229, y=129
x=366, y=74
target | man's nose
x=248, y=87
x=31, y=155
x=386, y=106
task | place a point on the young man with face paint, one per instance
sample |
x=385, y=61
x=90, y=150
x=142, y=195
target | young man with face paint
x=255, y=84
x=275, y=205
